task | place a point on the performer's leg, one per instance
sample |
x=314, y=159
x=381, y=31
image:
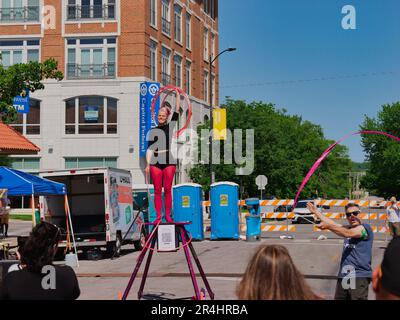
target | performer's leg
x=156, y=176
x=168, y=173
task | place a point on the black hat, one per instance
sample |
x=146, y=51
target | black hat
x=391, y=267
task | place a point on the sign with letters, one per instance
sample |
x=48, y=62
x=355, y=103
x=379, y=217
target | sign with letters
x=21, y=102
x=147, y=92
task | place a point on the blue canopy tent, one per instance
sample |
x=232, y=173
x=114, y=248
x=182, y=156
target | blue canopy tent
x=20, y=183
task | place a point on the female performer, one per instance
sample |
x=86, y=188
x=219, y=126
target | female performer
x=160, y=162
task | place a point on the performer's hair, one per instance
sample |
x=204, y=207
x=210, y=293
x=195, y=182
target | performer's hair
x=351, y=204
x=167, y=107
x=272, y=275
x=39, y=249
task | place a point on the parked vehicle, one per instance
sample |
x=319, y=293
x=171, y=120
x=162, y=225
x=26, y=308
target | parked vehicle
x=101, y=206
x=302, y=214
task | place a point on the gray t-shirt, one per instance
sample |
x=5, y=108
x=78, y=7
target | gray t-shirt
x=357, y=253
x=393, y=214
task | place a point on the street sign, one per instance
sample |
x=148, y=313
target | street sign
x=261, y=182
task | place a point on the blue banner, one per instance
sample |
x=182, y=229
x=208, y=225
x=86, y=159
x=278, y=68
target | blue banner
x=21, y=102
x=147, y=91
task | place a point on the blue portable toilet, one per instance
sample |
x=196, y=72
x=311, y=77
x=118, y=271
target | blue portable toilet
x=253, y=221
x=188, y=206
x=224, y=210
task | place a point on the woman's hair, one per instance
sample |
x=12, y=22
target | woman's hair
x=39, y=249
x=272, y=275
x=166, y=107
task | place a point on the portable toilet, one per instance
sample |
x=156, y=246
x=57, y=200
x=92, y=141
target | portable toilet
x=188, y=207
x=224, y=210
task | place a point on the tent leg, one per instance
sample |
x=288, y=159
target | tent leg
x=33, y=211
x=68, y=212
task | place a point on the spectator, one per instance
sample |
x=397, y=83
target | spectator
x=40, y=279
x=271, y=275
x=386, y=278
x=393, y=218
x=18, y=266
x=4, y=216
x=355, y=267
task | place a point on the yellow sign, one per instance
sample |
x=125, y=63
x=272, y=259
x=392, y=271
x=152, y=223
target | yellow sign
x=223, y=200
x=185, y=202
x=219, y=124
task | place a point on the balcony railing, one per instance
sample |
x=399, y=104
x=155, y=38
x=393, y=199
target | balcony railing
x=91, y=71
x=166, y=26
x=165, y=79
x=102, y=12
x=19, y=14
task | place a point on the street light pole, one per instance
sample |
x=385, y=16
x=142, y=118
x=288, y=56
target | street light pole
x=211, y=61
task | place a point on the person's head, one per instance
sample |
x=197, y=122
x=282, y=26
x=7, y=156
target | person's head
x=393, y=201
x=164, y=113
x=352, y=212
x=272, y=275
x=41, y=246
x=386, y=277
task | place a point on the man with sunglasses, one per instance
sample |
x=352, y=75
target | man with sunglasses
x=355, y=267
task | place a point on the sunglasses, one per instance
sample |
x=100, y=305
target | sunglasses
x=354, y=213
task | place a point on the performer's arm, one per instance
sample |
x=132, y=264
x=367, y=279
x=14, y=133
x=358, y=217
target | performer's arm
x=329, y=224
x=178, y=102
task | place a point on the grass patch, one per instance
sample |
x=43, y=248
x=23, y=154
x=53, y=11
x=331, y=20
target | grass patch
x=23, y=217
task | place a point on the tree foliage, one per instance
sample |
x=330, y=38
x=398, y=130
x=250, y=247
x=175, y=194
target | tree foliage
x=23, y=76
x=383, y=153
x=285, y=149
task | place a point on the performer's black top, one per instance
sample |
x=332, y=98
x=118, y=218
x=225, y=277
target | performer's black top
x=162, y=149
x=26, y=285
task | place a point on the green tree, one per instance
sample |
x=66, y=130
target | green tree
x=22, y=76
x=383, y=153
x=286, y=148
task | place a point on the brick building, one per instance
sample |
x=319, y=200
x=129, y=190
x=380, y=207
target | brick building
x=106, y=48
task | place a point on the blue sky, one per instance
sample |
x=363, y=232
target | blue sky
x=288, y=40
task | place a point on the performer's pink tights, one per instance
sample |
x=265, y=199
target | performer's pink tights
x=159, y=176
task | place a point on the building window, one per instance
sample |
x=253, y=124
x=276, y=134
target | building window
x=19, y=51
x=25, y=164
x=205, y=43
x=178, y=24
x=213, y=45
x=206, y=97
x=214, y=100
x=166, y=18
x=98, y=162
x=91, y=58
x=209, y=7
x=178, y=70
x=153, y=60
x=188, y=77
x=165, y=67
x=90, y=9
x=188, y=31
x=153, y=13
x=91, y=115
x=19, y=11
x=29, y=124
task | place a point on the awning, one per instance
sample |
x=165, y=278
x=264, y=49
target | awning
x=12, y=142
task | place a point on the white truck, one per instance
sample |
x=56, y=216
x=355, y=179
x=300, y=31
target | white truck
x=101, y=205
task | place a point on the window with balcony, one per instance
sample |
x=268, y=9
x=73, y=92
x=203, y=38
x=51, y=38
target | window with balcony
x=18, y=51
x=91, y=10
x=153, y=13
x=91, y=115
x=153, y=60
x=166, y=17
x=165, y=67
x=209, y=7
x=91, y=58
x=188, y=31
x=178, y=24
x=29, y=124
x=178, y=70
x=19, y=11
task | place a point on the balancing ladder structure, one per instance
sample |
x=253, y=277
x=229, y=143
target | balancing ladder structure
x=187, y=247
